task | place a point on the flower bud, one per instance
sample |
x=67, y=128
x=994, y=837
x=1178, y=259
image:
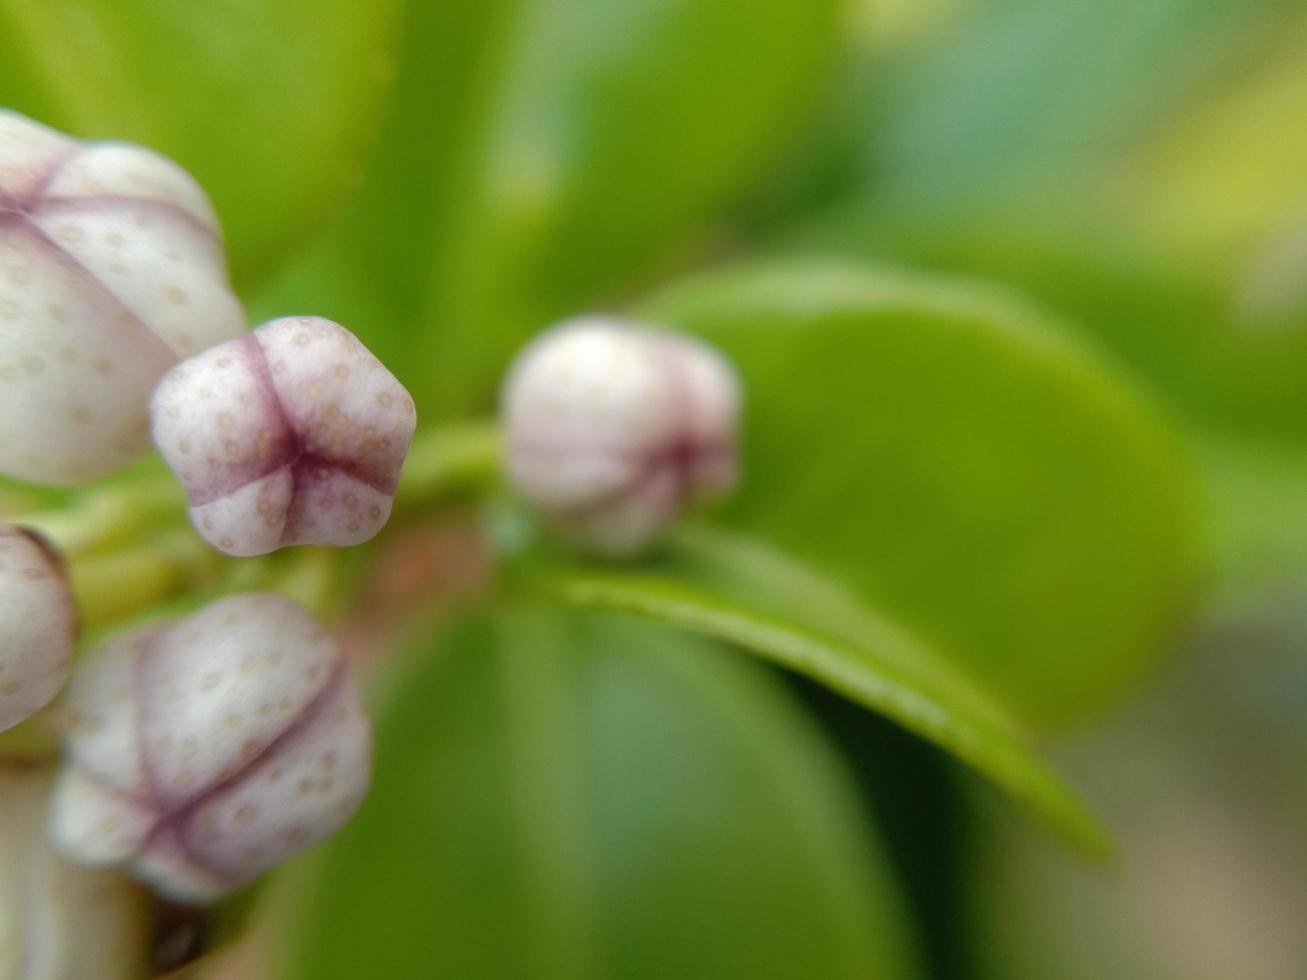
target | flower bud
x=612, y=428
x=111, y=268
x=39, y=626
x=206, y=749
x=59, y=921
x=292, y=434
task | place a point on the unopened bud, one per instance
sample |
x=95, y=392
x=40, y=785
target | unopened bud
x=39, y=626
x=612, y=428
x=292, y=434
x=207, y=749
x=111, y=268
x=59, y=921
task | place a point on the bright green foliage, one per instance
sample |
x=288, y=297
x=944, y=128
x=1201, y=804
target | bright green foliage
x=539, y=156
x=885, y=670
x=574, y=797
x=940, y=451
x=1011, y=91
x=1136, y=166
x=269, y=105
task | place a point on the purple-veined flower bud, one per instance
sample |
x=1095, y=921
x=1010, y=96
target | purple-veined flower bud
x=612, y=427
x=111, y=269
x=59, y=921
x=206, y=749
x=40, y=626
x=292, y=434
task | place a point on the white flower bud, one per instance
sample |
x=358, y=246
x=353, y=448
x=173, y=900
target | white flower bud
x=111, y=268
x=39, y=626
x=292, y=434
x=59, y=921
x=612, y=428
x=207, y=749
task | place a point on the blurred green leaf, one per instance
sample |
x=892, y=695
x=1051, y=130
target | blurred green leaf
x=577, y=796
x=944, y=109
x=1179, y=329
x=881, y=677
x=1014, y=89
x=268, y=104
x=950, y=457
x=540, y=156
x=1258, y=514
x=1160, y=207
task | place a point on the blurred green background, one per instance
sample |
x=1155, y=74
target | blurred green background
x=1018, y=289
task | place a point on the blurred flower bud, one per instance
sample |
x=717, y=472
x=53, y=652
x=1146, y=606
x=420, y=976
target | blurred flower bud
x=111, y=268
x=293, y=434
x=204, y=750
x=38, y=626
x=612, y=427
x=59, y=921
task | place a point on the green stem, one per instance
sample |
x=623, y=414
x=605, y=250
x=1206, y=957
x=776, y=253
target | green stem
x=310, y=577
x=112, y=587
x=448, y=460
x=129, y=546
x=109, y=516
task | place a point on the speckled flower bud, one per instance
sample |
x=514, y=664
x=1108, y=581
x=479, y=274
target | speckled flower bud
x=38, y=626
x=59, y=921
x=111, y=269
x=293, y=434
x=206, y=749
x=613, y=427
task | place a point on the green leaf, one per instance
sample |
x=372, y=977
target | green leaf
x=890, y=678
x=578, y=796
x=540, y=156
x=268, y=105
x=1181, y=249
x=1258, y=516
x=1177, y=327
x=949, y=457
x=1015, y=89
x=943, y=109
x=1148, y=187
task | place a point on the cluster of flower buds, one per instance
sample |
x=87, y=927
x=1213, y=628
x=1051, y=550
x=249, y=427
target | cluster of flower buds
x=612, y=428
x=59, y=921
x=111, y=269
x=291, y=434
x=206, y=749
x=200, y=751
x=40, y=626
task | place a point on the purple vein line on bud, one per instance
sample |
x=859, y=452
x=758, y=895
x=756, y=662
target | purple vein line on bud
x=290, y=450
x=87, y=202
x=206, y=749
x=19, y=212
x=292, y=434
x=27, y=199
x=174, y=821
x=111, y=270
x=124, y=314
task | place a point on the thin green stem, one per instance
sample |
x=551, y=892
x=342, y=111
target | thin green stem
x=310, y=576
x=129, y=545
x=115, y=586
x=448, y=460
x=108, y=517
